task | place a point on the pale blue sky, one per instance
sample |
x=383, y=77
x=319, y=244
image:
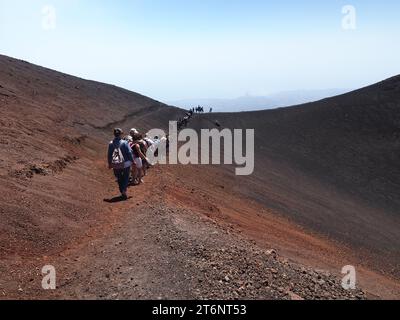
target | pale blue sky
x=211, y=48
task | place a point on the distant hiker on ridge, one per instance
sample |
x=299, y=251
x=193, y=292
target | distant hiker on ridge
x=120, y=159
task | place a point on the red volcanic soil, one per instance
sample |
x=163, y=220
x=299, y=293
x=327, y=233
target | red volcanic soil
x=194, y=231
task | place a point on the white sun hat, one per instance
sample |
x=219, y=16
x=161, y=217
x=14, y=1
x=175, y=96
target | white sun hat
x=133, y=132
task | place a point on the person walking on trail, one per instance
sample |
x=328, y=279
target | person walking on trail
x=143, y=147
x=148, y=140
x=120, y=159
x=138, y=157
x=133, y=132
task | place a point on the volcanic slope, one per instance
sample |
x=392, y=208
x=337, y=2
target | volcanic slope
x=189, y=231
x=332, y=166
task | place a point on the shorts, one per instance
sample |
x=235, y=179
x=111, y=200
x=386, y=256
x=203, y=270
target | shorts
x=138, y=163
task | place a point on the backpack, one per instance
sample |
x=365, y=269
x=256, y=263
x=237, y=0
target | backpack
x=117, y=160
x=149, y=142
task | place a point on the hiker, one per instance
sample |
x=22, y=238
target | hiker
x=166, y=141
x=156, y=145
x=120, y=159
x=132, y=133
x=148, y=141
x=138, y=156
x=180, y=123
x=185, y=121
x=144, y=147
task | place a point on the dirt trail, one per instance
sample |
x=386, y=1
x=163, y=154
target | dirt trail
x=171, y=240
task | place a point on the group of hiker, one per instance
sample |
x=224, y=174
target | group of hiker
x=183, y=122
x=127, y=156
x=199, y=109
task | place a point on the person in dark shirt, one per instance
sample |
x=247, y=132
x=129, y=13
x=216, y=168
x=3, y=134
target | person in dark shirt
x=120, y=159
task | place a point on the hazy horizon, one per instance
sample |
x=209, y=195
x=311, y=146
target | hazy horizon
x=250, y=102
x=173, y=50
